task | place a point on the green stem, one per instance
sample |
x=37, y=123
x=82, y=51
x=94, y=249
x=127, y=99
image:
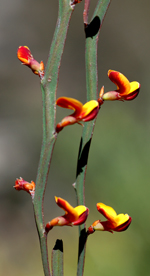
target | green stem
x=92, y=94
x=57, y=259
x=49, y=88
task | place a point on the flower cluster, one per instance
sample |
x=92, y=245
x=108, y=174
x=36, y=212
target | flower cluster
x=78, y=215
x=126, y=90
x=82, y=113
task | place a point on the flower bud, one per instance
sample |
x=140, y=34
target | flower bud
x=21, y=184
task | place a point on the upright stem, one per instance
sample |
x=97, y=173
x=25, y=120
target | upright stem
x=49, y=88
x=92, y=94
x=86, y=11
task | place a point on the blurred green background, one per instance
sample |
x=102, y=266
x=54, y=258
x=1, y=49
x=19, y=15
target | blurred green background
x=118, y=168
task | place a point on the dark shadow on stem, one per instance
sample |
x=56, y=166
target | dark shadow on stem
x=58, y=245
x=82, y=241
x=83, y=156
x=93, y=27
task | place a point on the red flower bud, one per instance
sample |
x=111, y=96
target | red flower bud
x=21, y=184
x=25, y=56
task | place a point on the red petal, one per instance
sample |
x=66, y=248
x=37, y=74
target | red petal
x=24, y=54
x=123, y=84
x=70, y=103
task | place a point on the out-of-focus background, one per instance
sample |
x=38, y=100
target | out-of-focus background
x=118, y=169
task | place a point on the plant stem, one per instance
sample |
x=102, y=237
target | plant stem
x=86, y=11
x=92, y=94
x=57, y=259
x=49, y=88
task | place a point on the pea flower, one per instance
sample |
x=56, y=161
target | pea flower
x=21, y=184
x=25, y=56
x=84, y=113
x=114, y=222
x=73, y=216
x=125, y=90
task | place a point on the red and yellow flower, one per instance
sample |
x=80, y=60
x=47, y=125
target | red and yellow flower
x=73, y=216
x=125, y=90
x=21, y=184
x=25, y=56
x=114, y=222
x=82, y=113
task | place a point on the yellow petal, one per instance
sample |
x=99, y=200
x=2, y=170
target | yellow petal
x=80, y=209
x=134, y=85
x=121, y=219
x=134, y=91
x=88, y=108
x=82, y=212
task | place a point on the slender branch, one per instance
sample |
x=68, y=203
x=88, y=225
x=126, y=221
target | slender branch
x=86, y=11
x=92, y=93
x=49, y=88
